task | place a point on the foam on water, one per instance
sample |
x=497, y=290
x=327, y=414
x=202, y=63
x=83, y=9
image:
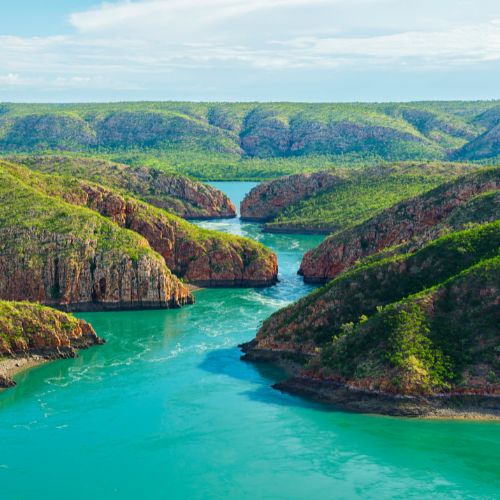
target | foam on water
x=166, y=409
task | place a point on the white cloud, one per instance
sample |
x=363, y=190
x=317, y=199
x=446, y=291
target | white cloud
x=170, y=12
x=137, y=44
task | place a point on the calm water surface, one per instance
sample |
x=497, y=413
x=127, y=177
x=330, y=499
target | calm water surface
x=167, y=410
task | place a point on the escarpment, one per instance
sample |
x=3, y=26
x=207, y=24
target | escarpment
x=35, y=332
x=424, y=326
x=413, y=222
x=175, y=193
x=267, y=200
x=307, y=203
x=201, y=257
x=362, y=132
x=74, y=259
x=204, y=258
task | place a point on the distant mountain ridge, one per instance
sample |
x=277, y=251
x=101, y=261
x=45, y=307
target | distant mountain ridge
x=387, y=131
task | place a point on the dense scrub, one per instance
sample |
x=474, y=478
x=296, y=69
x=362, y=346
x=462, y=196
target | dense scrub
x=229, y=140
x=406, y=323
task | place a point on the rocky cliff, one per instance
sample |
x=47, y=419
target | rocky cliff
x=411, y=334
x=36, y=332
x=204, y=258
x=326, y=202
x=201, y=257
x=72, y=258
x=267, y=200
x=175, y=193
x=417, y=220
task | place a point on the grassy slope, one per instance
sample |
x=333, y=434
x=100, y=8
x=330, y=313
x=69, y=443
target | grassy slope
x=138, y=182
x=366, y=194
x=339, y=310
x=26, y=207
x=206, y=139
x=201, y=242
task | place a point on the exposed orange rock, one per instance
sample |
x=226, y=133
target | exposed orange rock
x=416, y=220
x=267, y=200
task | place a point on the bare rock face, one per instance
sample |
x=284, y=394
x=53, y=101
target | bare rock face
x=72, y=274
x=417, y=220
x=177, y=194
x=204, y=258
x=269, y=199
x=70, y=257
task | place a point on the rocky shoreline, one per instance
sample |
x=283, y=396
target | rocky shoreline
x=340, y=395
x=9, y=367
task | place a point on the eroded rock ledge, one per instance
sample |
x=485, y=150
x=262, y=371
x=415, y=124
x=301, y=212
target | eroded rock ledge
x=32, y=334
x=269, y=199
x=415, y=221
x=175, y=193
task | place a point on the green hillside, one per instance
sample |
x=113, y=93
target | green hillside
x=407, y=323
x=254, y=140
x=365, y=193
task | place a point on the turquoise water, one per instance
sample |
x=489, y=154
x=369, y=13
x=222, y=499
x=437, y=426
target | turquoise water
x=167, y=410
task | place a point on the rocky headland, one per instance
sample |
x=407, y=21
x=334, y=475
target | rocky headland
x=267, y=200
x=177, y=194
x=31, y=334
x=86, y=247
x=410, y=334
x=412, y=222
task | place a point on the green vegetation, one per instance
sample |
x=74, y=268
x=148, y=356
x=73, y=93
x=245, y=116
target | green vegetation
x=28, y=210
x=54, y=204
x=410, y=323
x=441, y=338
x=177, y=194
x=255, y=141
x=21, y=322
x=363, y=195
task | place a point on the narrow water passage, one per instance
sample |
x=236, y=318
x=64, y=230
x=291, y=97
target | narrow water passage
x=167, y=410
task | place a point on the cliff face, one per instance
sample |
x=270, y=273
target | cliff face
x=267, y=200
x=177, y=194
x=417, y=325
x=29, y=330
x=74, y=259
x=201, y=257
x=417, y=220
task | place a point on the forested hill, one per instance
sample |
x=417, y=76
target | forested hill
x=192, y=136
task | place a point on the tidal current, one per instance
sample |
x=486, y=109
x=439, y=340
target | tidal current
x=167, y=410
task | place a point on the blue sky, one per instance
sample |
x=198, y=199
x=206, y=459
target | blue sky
x=302, y=50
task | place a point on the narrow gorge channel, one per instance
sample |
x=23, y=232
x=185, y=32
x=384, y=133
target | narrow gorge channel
x=166, y=409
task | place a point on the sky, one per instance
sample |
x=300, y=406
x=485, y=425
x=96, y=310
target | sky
x=249, y=50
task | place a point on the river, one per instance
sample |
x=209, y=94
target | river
x=166, y=409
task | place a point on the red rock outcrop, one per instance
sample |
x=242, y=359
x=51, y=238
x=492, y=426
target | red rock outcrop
x=71, y=257
x=175, y=193
x=72, y=274
x=417, y=220
x=201, y=257
x=30, y=330
x=269, y=199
